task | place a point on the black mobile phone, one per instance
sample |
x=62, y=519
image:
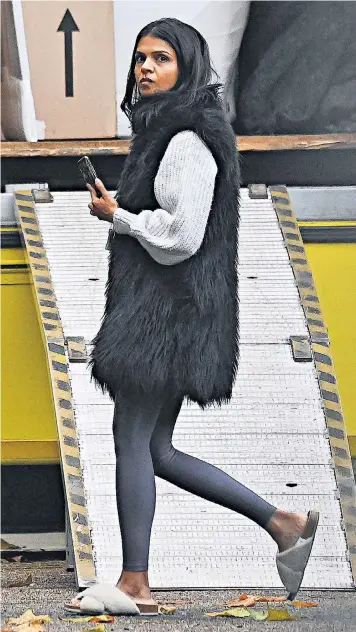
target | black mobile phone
x=88, y=172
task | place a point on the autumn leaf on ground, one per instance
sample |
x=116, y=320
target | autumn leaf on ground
x=98, y=618
x=102, y=618
x=232, y=612
x=280, y=615
x=75, y=619
x=271, y=599
x=258, y=615
x=304, y=604
x=29, y=617
x=248, y=601
x=29, y=626
x=166, y=609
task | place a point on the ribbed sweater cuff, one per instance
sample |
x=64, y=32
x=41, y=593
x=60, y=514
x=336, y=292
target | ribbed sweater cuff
x=122, y=221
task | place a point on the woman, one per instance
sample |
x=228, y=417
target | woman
x=170, y=324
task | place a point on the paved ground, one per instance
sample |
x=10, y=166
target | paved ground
x=53, y=585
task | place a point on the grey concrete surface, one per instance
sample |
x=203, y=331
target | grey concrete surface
x=52, y=585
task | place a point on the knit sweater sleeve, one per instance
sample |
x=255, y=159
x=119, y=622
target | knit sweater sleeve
x=184, y=189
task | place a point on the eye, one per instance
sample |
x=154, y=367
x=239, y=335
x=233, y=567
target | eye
x=140, y=58
x=162, y=58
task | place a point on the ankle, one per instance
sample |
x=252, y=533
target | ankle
x=135, y=584
x=285, y=527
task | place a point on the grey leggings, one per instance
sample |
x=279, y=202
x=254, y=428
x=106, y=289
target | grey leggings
x=143, y=429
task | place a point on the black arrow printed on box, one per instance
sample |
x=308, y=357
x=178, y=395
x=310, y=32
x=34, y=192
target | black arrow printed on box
x=67, y=26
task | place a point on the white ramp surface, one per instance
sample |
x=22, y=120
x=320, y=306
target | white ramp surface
x=271, y=436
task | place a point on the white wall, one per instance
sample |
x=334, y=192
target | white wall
x=222, y=23
x=17, y=106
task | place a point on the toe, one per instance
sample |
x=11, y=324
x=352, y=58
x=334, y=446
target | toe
x=74, y=603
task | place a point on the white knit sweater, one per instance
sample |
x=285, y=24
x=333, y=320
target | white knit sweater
x=184, y=189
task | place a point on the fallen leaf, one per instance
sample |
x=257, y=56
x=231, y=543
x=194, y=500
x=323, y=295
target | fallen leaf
x=19, y=584
x=304, y=604
x=29, y=617
x=29, y=627
x=98, y=618
x=166, y=609
x=102, y=618
x=245, y=600
x=271, y=599
x=248, y=601
x=98, y=628
x=76, y=619
x=280, y=615
x=232, y=612
x=258, y=615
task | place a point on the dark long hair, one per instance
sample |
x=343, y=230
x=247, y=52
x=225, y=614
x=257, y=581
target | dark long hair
x=195, y=70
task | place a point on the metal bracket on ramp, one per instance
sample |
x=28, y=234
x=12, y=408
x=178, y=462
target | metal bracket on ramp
x=301, y=348
x=77, y=351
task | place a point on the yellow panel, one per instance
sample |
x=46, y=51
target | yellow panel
x=27, y=407
x=334, y=271
x=29, y=452
x=15, y=277
x=13, y=256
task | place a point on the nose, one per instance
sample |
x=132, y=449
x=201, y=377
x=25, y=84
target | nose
x=147, y=66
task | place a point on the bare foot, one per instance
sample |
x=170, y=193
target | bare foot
x=74, y=603
x=135, y=585
x=286, y=528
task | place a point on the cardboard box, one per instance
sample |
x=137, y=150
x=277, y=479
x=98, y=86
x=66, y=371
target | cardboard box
x=72, y=70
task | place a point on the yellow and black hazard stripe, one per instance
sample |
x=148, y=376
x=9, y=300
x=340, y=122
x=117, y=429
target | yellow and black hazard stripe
x=57, y=354
x=324, y=365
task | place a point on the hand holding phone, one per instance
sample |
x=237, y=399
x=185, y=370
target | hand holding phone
x=103, y=205
x=88, y=172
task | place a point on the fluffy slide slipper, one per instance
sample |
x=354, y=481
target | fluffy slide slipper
x=107, y=599
x=291, y=564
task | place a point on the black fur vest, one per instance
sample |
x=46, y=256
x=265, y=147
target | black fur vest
x=174, y=327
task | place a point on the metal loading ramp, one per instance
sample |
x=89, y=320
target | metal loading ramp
x=282, y=434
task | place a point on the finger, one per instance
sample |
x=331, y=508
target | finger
x=94, y=195
x=99, y=185
x=90, y=206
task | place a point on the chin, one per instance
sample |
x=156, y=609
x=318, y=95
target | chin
x=146, y=93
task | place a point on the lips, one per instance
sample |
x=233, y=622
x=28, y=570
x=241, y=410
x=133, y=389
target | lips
x=146, y=80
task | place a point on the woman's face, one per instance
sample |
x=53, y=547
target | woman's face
x=156, y=68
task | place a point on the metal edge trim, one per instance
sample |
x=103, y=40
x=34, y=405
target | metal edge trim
x=328, y=234
x=323, y=363
x=59, y=374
